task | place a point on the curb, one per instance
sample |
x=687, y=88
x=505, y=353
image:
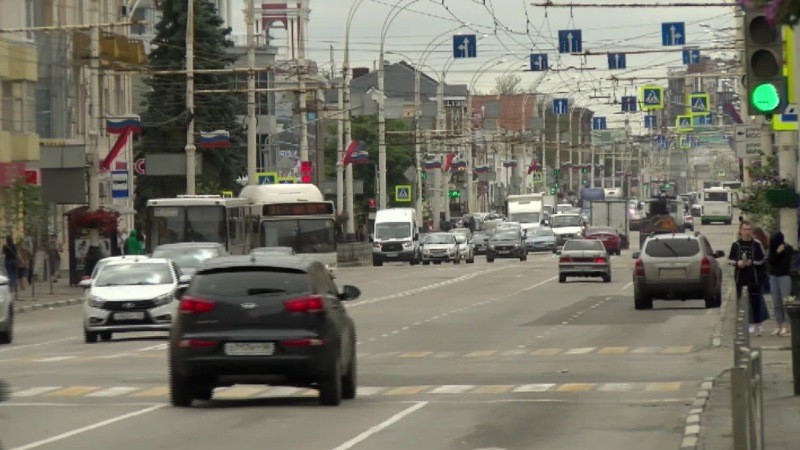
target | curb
x=49, y=305
x=716, y=336
x=691, y=431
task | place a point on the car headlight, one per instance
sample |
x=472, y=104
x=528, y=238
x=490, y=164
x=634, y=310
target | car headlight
x=96, y=302
x=407, y=244
x=163, y=300
x=491, y=247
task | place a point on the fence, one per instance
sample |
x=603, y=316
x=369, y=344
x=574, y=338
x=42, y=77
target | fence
x=746, y=383
x=354, y=254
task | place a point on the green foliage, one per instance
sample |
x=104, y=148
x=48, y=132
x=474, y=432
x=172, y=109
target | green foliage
x=165, y=120
x=758, y=209
x=27, y=213
x=507, y=84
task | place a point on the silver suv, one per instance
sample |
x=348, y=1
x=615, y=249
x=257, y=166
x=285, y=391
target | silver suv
x=677, y=267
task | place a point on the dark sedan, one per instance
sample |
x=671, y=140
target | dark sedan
x=506, y=243
x=584, y=258
x=481, y=241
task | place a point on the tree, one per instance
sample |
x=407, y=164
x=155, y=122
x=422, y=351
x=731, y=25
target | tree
x=507, y=84
x=164, y=122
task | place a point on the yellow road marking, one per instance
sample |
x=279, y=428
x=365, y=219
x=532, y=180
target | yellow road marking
x=546, y=352
x=686, y=349
x=415, y=354
x=481, y=353
x=612, y=350
x=74, y=391
x=161, y=391
x=493, y=389
x=406, y=390
x=239, y=392
x=663, y=387
x=575, y=387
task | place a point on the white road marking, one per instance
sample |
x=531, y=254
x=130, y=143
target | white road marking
x=81, y=430
x=20, y=347
x=32, y=392
x=55, y=358
x=538, y=387
x=580, y=351
x=113, y=392
x=366, y=391
x=281, y=391
x=376, y=429
x=453, y=389
x=615, y=387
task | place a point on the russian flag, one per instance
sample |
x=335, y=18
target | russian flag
x=481, y=169
x=118, y=125
x=458, y=164
x=433, y=164
x=534, y=166
x=352, y=147
x=214, y=139
x=359, y=158
x=511, y=163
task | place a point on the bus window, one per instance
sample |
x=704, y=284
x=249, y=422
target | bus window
x=167, y=225
x=205, y=224
x=710, y=196
x=316, y=236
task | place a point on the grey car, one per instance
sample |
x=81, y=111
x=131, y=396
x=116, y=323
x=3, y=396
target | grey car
x=583, y=258
x=189, y=255
x=439, y=247
x=677, y=267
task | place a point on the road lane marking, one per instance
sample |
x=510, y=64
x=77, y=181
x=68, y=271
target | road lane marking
x=38, y=344
x=406, y=390
x=575, y=387
x=33, y=392
x=493, y=389
x=239, y=392
x=663, y=387
x=453, y=389
x=546, y=352
x=113, y=392
x=678, y=350
x=375, y=429
x=580, y=351
x=616, y=387
x=415, y=354
x=537, y=387
x=55, y=358
x=75, y=391
x=366, y=391
x=612, y=350
x=481, y=353
x=515, y=352
x=281, y=391
x=81, y=430
x=160, y=391
x=646, y=350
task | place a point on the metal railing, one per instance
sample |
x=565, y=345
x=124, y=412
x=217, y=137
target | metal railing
x=747, y=403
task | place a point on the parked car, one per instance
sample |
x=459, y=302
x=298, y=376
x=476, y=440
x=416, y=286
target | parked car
x=583, y=258
x=131, y=295
x=6, y=312
x=439, y=247
x=189, y=255
x=540, y=238
x=677, y=267
x=506, y=243
x=611, y=240
x=276, y=321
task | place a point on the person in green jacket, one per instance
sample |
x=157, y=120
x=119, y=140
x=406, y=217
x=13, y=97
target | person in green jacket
x=132, y=244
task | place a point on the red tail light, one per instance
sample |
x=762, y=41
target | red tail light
x=705, y=266
x=196, y=343
x=192, y=305
x=302, y=343
x=564, y=259
x=638, y=268
x=310, y=304
x=599, y=260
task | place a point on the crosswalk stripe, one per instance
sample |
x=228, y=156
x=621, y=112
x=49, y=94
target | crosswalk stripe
x=440, y=355
x=546, y=352
x=663, y=387
x=684, y=349
x=615, y=387
x=575, y=387
x=453, y=389
x=646, y=350
x=519, y=351
x=415, y=354
x=54, y=358
x=537, y=387
x=366, y=391
x=612, y=350
x=240, y=392
x=406, y=390
x=281, y=391
x=75, y=391
x=580, y=351
x=493, y=389
x=481, y=353
x=160, y=391
x=33, y=392
x=113, y=392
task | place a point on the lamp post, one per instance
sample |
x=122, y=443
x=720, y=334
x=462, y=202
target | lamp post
x=347, y=125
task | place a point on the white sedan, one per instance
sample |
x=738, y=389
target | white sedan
x=6, y=312
x=131, y=295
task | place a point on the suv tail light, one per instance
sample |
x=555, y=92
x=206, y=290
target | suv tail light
x=705, y=266
x=310, y=304
x=638, y=268
x=599, y=260
x=564, y=259
x=192, y=305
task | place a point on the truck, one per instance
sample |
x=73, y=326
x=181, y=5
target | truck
x=587, y=195
x=613, y=214
x=663, y=214
x=525, y=208
x=549, y=204
x=396, y=237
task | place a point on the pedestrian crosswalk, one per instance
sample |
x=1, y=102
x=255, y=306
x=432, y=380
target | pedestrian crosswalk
x=257, y=391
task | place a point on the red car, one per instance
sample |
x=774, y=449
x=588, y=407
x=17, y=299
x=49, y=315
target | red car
x=608, y=236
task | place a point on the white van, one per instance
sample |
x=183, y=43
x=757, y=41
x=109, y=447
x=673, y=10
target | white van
x=716, y=205
x=396, y=236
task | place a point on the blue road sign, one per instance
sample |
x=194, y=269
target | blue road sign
x=119, y=184
x=650, y=122
x=673, y=33
x=598, y=123
x=651, y=97
x=560, y=106
x=616, y=61
x=569, y=41
x=691, y=56
x=465, y=46
x=660, y=141
x=702, y=119
x=629, y=104
x=539, y=62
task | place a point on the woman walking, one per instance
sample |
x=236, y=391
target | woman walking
x=11, y=259
x=747, y=257
x=779, y=263
x=24, y=260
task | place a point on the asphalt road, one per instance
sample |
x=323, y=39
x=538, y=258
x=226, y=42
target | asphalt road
x=474, y=356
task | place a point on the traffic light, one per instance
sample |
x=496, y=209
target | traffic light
x=454, y=193
x=371, y=203
x=422, y=175
x=555, y=172
x=305, y=171
x=584, y=170
x=766, y=85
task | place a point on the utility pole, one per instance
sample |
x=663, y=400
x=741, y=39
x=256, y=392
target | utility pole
x=190, y=147
x=382, y=197
x=544, y=146
x=93, y=126
x=417, y=149
x=301, y=69
x=252, y=154
x=340, y=151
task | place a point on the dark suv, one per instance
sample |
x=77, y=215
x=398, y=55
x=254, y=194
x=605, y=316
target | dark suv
x=506, y=243
x=276, y=320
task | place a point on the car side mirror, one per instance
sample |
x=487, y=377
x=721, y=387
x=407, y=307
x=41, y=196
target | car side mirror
x=635, y=255
x=86, y=284
x=719, y=254
x=185, y=279
x=349, y=292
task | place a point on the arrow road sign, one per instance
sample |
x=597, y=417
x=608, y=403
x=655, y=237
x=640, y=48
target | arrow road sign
x=402, y=193
x=569, y=41
x=538, y=62
x=650, y=121
x=560, y=106
x=673, y=33
x=616, y=61
x=598, y=123
x=691, y=56
x=748, y=141
x=629, y=104
x=465, y=46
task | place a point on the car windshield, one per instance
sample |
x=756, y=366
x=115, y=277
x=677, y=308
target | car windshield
x=392, y=230
x=272, y=251
x=565, y=221
x=134, y=274
x=479, y=237
x=582, y=245
x=540, y=232
x=505, y=236
x=670, y=248
x=187, y=258
x=247, y=281
x=440, y=239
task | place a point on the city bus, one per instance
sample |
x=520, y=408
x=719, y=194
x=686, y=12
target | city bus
x=296, y=216
x=716, y=205
x=200, y=218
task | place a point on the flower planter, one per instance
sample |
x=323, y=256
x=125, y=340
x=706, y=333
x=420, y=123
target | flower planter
x=782, y=198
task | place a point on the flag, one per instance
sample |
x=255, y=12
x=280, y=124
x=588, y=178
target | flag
x=534, y=166
x=214, y=139
x=353, y=146
x=457, y=164
x=105, y=164
x=359, y=158
x=448, y=160
x=118, y=125
x=481, y=169
x=432, y=164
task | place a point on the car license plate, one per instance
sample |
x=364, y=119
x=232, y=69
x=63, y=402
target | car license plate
x=504, y=252
x=249, y=348
x=672, y=272
x=392, y=255
x=129, y=316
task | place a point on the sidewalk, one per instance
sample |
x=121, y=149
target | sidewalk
x=62, y=295
x=781, y=407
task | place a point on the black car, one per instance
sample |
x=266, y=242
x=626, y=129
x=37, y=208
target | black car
x=506, y=243
x=275, y=320
x=480, y=239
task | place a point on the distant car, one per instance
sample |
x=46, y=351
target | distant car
x=584, y=258
x=277, y=321
x=539, y=239
x=608, y=236
x=189, y=255
x=512, y=225
x=480, y=240
x=285, y=251
x=677, y=266
x=506, y=243
x=6, y=312
x=439, y=247
x=129, y=296
x=688, y=223
x=102, y=263
x=466, y=249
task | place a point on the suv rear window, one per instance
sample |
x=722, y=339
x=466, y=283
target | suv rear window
x=241, y=282
x=670, y=248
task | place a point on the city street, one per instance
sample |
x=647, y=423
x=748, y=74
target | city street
x=469, y=356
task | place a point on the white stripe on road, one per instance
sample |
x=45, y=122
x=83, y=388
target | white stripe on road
x=376, y=429
x=54, y=358
x=615, y=387
x=20, y=347
x=113, y=392
x=32, y=392
x=81, y=430
x=282, y=391
x=539, y=387
x=453, y=389
x=579, y=351
x=365, y=391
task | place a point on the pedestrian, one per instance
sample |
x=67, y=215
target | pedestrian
x=761, y=236
x=11, y=263
x=54, y=249
x=779, y=263
x=747, y=257
x=132, y=244
x=25, y=257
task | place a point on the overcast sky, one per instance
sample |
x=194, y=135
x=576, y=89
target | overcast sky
x=509, y=30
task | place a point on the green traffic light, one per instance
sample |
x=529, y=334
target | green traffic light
x=765, y=97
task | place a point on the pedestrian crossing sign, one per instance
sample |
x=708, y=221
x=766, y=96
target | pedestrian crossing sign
x=402, y=193
x=651, y=97
x=698, y=102
x=267, y=177
x=537, y=176
x=683, y=124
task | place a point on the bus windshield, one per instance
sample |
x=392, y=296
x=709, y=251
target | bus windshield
x=715, y=196
x=172, y=224
x=302, y=235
